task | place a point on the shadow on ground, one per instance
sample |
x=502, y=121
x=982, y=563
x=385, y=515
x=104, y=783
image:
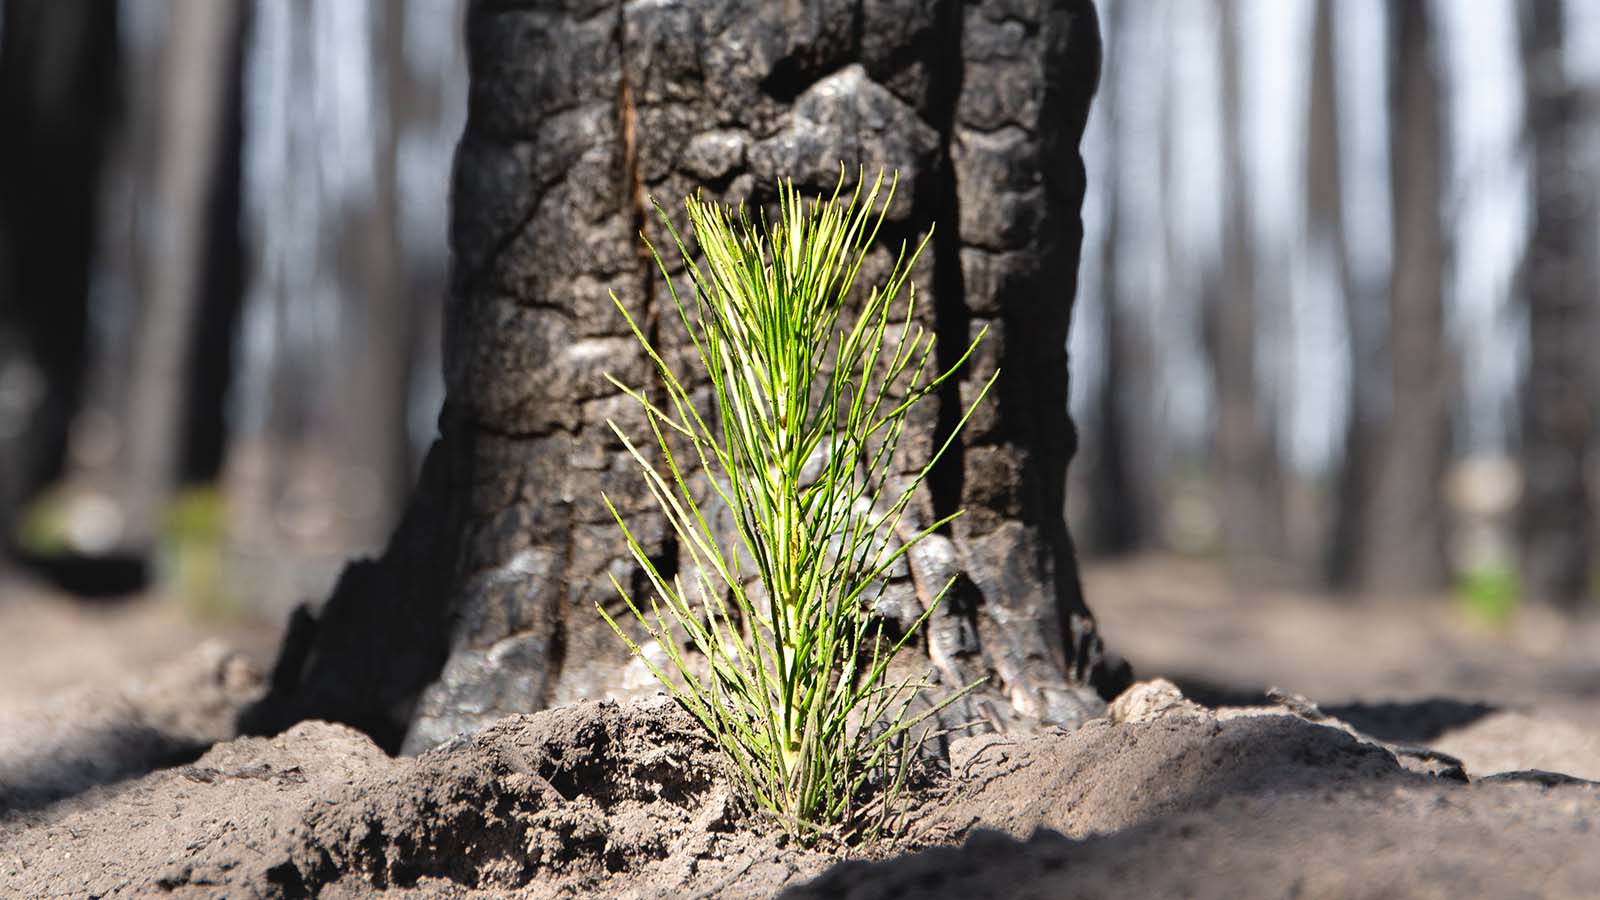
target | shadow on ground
x=1404, y=721
x=59, y=746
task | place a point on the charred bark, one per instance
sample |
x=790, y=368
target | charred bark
x=580, y=111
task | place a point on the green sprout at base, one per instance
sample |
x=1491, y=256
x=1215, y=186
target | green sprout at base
x=790, y=680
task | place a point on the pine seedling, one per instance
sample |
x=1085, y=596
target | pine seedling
x=790, y=679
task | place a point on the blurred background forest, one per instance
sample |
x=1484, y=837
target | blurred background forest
x=224, y=260
x=1336, y=325
x=1339, y=311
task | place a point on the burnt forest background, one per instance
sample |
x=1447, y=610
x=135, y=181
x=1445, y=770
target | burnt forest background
x=1337, y=322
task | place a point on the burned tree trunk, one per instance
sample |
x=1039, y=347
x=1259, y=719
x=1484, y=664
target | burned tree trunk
x=58, y=105
x=1124, y=484
x=1402, y=542
x=579, y=112
x=1557, y=413
x=380, y=302
x=1325, y=230
x=1243, y=442
x=193, y=137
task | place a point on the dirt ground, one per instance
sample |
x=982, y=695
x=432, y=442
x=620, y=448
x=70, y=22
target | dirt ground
x=1408, y=752
x=1522, y=695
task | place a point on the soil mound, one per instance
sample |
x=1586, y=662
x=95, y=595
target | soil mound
x=1108, y=776
x=1161, y=798
x=1402, y=840
x=554, y=804
x=1168, y=799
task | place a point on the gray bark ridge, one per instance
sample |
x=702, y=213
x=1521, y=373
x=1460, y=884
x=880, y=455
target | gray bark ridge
x=579, y=113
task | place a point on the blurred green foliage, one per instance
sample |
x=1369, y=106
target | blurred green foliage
x=1490, y=593
x=42, y=527
x=193, y=548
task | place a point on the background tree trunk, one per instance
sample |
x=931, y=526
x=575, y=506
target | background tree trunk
x=1326, y=233
x=1121, y=521
x=579, y=112
x=1125, y=484
x=1244, y=452
x=221, y=284
x=58, y=98
x=381, y=309
x=1404, y=537
x=199, y=70
x=1560, y=275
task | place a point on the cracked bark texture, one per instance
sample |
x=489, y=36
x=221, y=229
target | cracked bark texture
x=579, y=112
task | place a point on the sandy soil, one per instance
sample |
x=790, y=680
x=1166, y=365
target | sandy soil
x=50, y=643
x=1405, y=774
x=91, y=693
x=1521, y=695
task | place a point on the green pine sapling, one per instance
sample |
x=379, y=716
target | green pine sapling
x=790, y=680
